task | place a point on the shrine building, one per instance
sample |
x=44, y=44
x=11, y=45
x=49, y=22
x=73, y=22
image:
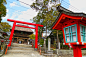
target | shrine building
x=21, y=35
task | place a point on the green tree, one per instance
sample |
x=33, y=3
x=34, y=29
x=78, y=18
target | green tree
x=46, y=15
x=5, y=26
x=32, y=36
x=2, y=9
x=41, y=42
x=60, y=35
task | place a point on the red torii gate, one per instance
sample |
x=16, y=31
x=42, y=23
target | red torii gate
x=14, y=24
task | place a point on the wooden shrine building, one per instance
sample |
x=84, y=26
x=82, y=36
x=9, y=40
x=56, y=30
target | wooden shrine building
x=21, y=35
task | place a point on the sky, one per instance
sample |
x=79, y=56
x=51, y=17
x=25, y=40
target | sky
x=22, y=12
x=19, y=11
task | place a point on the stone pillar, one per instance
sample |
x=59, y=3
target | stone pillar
x=59, y=45
x=49, y=42
x=45, y=44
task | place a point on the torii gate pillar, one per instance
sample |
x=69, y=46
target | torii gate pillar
x=11, y=35
x=13, y=28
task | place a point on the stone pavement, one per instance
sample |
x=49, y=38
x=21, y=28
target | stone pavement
x=22, y=50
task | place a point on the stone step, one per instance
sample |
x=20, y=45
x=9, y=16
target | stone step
x=50, y=52
x=21, y=45
x=23, y=55
x=21, y=48
x=50, y=55
x=21, y=51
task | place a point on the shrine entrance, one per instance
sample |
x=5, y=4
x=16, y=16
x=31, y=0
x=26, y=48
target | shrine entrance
x=13, y=28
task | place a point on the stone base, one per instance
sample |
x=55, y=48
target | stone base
x=9, y=48
x=35, y=49
x=0, y=55
x=49, y=51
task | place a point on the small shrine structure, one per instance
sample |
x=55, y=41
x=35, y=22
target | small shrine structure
x=21, y=34
x=73, y=26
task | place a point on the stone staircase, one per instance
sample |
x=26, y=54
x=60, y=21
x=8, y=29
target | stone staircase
x=21, y=45
x=22, y=50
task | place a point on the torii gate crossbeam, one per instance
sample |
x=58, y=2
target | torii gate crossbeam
x=13, y=28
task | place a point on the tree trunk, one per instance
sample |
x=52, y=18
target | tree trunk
x=57, y=43
x=0, y=18
x=57, y=40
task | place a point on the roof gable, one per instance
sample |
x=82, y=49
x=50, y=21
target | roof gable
x=63, y=16
x=22, y=28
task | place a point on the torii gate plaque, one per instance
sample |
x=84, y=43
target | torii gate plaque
x=14, y=24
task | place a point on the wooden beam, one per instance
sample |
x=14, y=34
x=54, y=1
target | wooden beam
x=24, y=22
x=21, y=37
x=25, y=26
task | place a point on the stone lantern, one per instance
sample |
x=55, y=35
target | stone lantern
x=3, y=43
x=1, y=36
x=1, y=40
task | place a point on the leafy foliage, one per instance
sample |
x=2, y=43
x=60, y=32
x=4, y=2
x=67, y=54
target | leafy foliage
x=54, y=35
x=47, y=14
x=2, y=9
x=64, y=46
x=5, y=26
x=32, y=36
x=41, y=42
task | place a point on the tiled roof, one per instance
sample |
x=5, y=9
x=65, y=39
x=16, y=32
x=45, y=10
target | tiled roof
x=67, y=12
x=22, y=28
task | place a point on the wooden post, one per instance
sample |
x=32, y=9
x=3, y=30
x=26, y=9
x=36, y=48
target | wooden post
x=17, y=39
x=27, y=40
x=13, y=39
x=57, y=42
x=24, y=40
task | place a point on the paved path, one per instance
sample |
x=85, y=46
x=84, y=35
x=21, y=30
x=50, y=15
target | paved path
x=22, y=51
